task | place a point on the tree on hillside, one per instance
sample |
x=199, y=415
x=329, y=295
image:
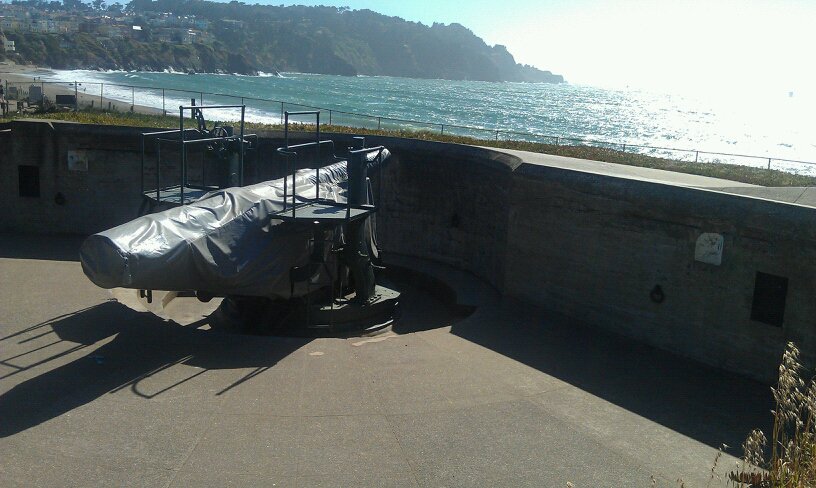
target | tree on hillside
x=73, y=5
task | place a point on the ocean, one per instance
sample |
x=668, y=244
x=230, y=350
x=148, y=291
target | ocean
x=739, y=122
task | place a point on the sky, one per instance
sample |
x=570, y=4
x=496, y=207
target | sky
x=675, y=45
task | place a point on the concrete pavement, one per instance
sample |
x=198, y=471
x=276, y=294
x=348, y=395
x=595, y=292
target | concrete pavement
x=622, y=170
x=798, y=195
x=93, y=393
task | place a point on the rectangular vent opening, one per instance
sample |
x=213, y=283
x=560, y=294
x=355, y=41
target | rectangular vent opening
x=29, y=181
x=770, y=293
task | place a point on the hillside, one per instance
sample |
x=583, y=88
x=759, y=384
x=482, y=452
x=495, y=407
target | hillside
x=248, y=38
x=86, y=51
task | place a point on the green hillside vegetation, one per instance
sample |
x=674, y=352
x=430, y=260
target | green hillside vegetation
x=248, y=38
x=85, y=51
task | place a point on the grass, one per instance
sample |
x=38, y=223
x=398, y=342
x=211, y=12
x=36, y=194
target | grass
x=791, y=462
x=733, y=172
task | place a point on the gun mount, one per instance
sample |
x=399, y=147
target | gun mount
x=295, y=255
x=221, y=165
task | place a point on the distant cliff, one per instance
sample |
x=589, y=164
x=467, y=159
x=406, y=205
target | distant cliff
x=245, y=39
x=85, y=51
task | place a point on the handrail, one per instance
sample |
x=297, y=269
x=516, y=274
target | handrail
x=305, y=112
x=307, y=144
x=198, y=107
x=163, y=132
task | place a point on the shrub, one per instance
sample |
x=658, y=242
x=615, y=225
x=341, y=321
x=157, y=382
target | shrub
x=791, y=462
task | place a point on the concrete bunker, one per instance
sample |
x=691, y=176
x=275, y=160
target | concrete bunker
x=575, y=239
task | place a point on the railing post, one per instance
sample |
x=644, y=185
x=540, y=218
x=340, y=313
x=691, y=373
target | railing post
x=183, y=153
x=132, y=99
x=101, y=95
x=442, y=131
x=769, y=163
x=164, y=111
x=241, y=142
x=281, y=113
x=497, y=135
x=330, y=117
x=624, y=148
x=379, y=122
x=557, y=141
x=201, y=97
x=696, y=156
x=76, y=97
x=42, y=99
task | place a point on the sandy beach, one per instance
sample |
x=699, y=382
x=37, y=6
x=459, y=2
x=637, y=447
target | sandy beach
x=25, y=76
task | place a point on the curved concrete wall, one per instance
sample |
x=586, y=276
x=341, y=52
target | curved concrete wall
x=587, y=245
x=447, y=203
x=594, y=247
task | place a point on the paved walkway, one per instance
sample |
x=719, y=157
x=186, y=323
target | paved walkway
x=622, y=170
x=798, y=195
x=93, y=393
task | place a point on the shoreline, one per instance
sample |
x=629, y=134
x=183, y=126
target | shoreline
x=789, y=150
x=24, y=76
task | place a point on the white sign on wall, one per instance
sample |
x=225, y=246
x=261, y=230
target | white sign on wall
x=77, y=161
x=709, y=248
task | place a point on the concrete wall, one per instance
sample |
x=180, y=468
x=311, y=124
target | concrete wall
x=107, y=194
x=449, y=204
x=101, y=197
x=590, y=246
x=594, y=247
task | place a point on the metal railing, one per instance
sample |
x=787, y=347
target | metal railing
x=117, y=97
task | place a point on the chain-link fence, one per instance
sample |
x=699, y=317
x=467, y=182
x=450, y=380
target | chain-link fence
x=31, y=96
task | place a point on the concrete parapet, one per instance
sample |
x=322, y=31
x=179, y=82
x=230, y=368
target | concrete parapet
x=595, y=248
x=619, y=252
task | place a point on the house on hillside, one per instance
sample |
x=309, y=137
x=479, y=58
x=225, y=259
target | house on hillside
x=232, y=24
x=163, y=35
x=90, y=25
x=39, y=26
x=138, y=33
x=67, y=26
x=8, y=46
x=10, y=24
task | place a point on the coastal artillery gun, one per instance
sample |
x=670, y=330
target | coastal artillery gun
x=293, y=255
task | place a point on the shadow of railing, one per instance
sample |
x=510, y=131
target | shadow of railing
x=709, y=405
x=142, y=345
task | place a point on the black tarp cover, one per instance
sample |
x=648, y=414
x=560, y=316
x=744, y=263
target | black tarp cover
x=225, y=243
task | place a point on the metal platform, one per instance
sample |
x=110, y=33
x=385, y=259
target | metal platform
x=224, y=153
x=325, y=212
x=173, y=194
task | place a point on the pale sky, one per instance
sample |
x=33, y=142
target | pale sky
x=667, y=44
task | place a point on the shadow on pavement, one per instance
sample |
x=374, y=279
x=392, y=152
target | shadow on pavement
x=58, y=247
x=111, y=347
x=704, y=403
x=140, y=344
